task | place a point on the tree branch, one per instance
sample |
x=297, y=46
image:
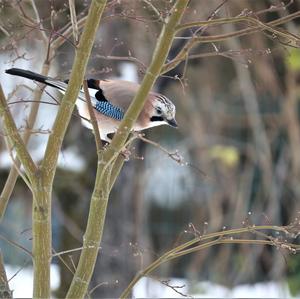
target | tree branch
x=106, y=161
x=76, y=78
x=222, y=237
x=5, y=292
x=160, y=55
x=13, y=174
x=222, y=21
x=74, y=21
x=182, y=55
x=41, y=228
x=15, y=138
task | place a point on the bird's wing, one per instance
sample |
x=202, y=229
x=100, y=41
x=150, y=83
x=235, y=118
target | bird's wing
x=98, y=100
x=119, y=92
x=111, y=97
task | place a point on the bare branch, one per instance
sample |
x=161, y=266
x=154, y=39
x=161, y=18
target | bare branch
x=175, y=288
x=99, y=200
x=38, y=21
x=13, y=174
x=183, y=53
x=123, y=58
x=68, y=101
x=193, y=245
x=16, y=245
x=63, y=261
x=13, y=134
x=154, y=9
x=74, y=20
x=175, y=156
x=15, y=165
x=63, y=36
x=5, y=292
x=292, y=38
x=4, y=30
x=238, y=19
x=19, y=270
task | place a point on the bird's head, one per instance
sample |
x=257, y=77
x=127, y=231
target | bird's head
x=163, y=111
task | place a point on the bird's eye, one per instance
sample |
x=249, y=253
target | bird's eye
x=158, y=111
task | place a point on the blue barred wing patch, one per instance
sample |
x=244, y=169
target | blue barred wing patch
x=109, y=110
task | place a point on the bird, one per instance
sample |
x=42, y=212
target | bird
x=111, y=99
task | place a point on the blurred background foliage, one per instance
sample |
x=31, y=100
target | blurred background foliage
x=238, y=115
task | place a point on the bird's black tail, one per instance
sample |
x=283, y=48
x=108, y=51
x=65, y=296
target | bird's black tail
x=30, y=75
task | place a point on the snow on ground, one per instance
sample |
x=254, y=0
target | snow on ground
x=21, y=283
x=149, y=288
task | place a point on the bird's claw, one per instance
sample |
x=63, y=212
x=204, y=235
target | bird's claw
x=126, y=153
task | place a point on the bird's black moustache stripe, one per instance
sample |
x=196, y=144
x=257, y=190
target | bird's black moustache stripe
x=156, y=118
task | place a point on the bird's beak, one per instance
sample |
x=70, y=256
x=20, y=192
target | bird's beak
x=172, y=122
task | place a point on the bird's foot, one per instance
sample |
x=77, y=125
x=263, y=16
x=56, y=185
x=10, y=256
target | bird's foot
x=126, y=153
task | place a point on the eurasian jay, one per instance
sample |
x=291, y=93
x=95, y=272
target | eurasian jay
x=111, y=98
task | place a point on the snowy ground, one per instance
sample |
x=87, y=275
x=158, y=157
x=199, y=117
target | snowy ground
x=149, y=288
x=21, y=284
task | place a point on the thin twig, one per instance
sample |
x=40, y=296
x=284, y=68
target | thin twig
x=97, y=286
x=23, y=13
x=5, y=292
x=37, y=93
x=12, y=131
x=195, y=40
x=63, y=36
x=38, y=21
x=74, y=21
x=67, y=251
x=187, y=248
x=63, y=261
x=259, y=25
x=154, y=9
x=54, y=33
x=122, y=58
x=19, y=270
x=4, y=30
x=175, y=288
x=174, y=156
x=16, y=245
x=14, y=161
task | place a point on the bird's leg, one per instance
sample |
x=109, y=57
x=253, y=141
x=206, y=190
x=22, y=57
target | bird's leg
x=126, y=153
